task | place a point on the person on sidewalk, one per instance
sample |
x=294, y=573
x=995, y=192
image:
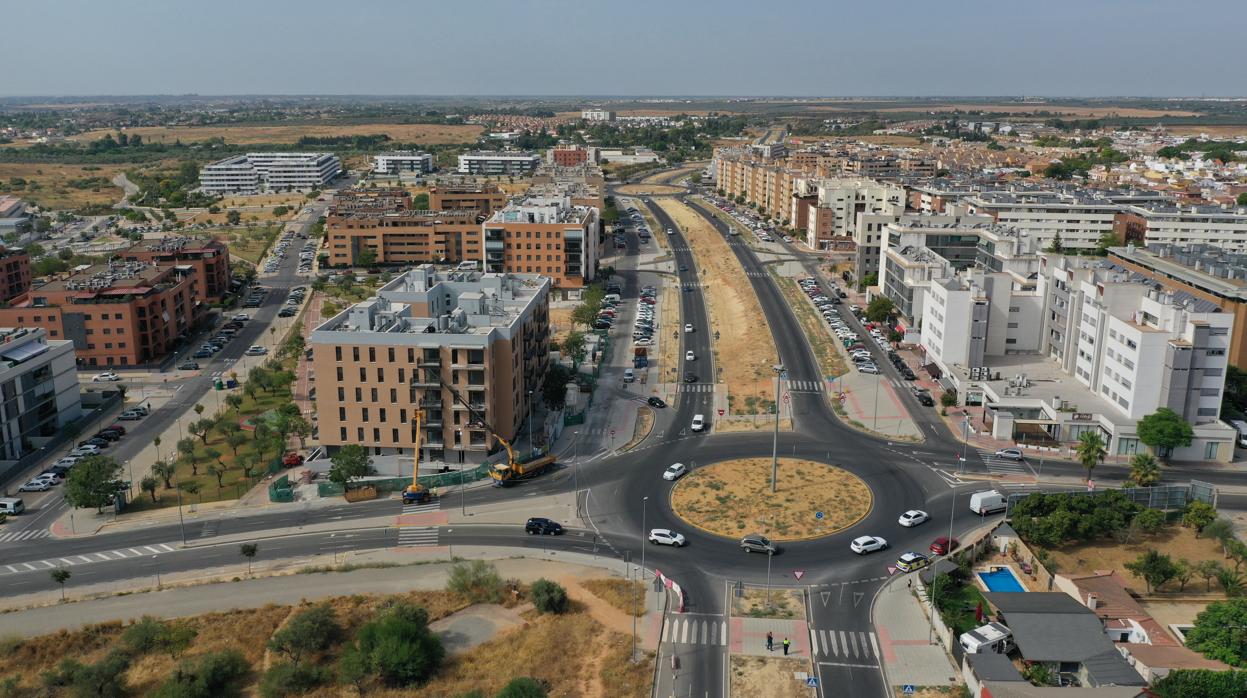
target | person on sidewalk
x=786, y=644
x=770, y=641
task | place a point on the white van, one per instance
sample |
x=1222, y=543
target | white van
x=629, y=375
x=611, y=297
x=1241, y=426
x=699, y=422
x=992, y=637
x=11, y=506
x=987, y=502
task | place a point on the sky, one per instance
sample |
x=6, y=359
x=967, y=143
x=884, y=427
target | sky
x=625, y=47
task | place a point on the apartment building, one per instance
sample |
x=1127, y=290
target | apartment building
x=40, y=386
x=14, y=273
x=1206, y=272
x=256, y=172
x=888, y=167
x=209, y=259
x=382, y=221
x=547, y=235
x=1224, y=227
x=1081, y=219
x=482, y=198
x=14, y=218
x=434, y=342
x=597, y=115
x=830, y=207
x=401, y=161
x=568, y=157
x=871, y=228
x=495, y=163
x=116, y=314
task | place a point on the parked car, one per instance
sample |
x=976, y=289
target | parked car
x=664, y=536
x=130, y=415
x=188, y=366
x=35, y=485
x=256, y=350
x=542, y=527
x=105, y=377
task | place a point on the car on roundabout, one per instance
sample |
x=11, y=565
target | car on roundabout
x=674, y=471
x=665, y=536
x=913, y=517
x=912, y=561
x=542, y=527
x=758, y=543
x=656, y=402
x=867, y=544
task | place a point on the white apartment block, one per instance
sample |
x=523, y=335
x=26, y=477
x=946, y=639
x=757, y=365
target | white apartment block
x=1180, y=225
x=978, y=314
x=838, y=203
x=39, y=380
x=597, y=115
x=872, y=227
x=400, y=161
x=1079, y=219
x=498, y=163
x=256, y=172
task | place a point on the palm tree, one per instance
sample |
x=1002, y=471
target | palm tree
x=1144, y=470
x=1090, y=450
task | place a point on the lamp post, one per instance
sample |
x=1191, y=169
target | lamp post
x=644, y=505
x=935, y=579
x=874, y=422
x=531, y=447
x=463, y=507
x=779, y=374
x=965, y=442
x=178, y=489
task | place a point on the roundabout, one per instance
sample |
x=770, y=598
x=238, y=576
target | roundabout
x=733, y=498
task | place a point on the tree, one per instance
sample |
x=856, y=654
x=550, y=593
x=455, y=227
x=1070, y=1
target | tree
x=233, y=217
x=574, y=346
x=93, y=482
x=234, y=402
x=1107, y=240
x=300, y=427
x=1153, y=568
x=186, y=447
x=1221, y=530
x=1231, y=582
x=249, y=551
x=1056, y=247
x=523, y=687
x=1208, y=569
x=190, y=487
x=218, y=471
x=1144, y=470
x=366, y=257
x=1198, y=515
x=234, y=440
x=1150, y=521
x=61, y=575
x=398, y=646
x=948, y=398
x=1201, y=683
x=149, y=484
x=213, y=674
x=869, y=280
x=292, y=680
x=103, y=679
x=199, y=409
x=351, y=462
x=311, y=630
x=201, y=428
x=164, y=470
x=879, y=309
x=1165, y=430
x=1218, y=632
x=554, y=387
x=1242, y=199
x=150, y=634
x=1090, y=450
x=549, y=597
x=477, y=581
x=1185, y=571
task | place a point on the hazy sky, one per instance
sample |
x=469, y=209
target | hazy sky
x=624, y=47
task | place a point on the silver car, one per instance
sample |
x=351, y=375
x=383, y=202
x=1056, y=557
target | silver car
x=758, y=543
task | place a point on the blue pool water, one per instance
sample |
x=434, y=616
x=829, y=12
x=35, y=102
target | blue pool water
x=1001, y=579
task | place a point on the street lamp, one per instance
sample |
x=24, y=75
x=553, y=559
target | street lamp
x=531, y=448
x=779, y=374
x=644, y=505
x=965, y=441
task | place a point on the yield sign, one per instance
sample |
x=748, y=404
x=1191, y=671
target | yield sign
x=798, y=574
x=891, y=569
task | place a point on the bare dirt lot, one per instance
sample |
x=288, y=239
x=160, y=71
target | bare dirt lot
x=673, y=175
x=290, y=133
x=1051, y=109
x=647, y=189
x=745, y=350
x=1222, y=131
x=1177, y=542
x=733, y=498
x=773, y=677
x=60, y=186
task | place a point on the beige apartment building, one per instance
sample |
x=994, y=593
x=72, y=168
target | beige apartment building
x=426, y=337
x=481, y=198
x=383, y=221
x=547, y=235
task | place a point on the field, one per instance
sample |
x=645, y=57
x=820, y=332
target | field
x=1217, y=131
x=291, y=133
x=61, y=186
x=248, y=243
x=1053, y=110
x=784, y=603
x=745, y=350
x=560, y=324
x=645, y=189
x=1177, y=542
x=733, y=498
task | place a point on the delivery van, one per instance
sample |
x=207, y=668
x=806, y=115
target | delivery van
x=11, y=506
x=987, y=502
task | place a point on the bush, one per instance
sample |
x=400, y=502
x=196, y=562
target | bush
x=311, y=630
x=292, y=680
x=549, y=597
x=1201, y=683
x=145, y=635
x=1050, y=520
x=214, y=674
x=523, y=687
x=397, y=647
x=103, y=679
x=477, y=581
x=1197, y=515
x=1150, y=520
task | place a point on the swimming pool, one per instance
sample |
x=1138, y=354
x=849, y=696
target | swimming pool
x=1001, y=579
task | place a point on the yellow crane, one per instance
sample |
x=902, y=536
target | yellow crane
x=512, y=470
x=415, y=492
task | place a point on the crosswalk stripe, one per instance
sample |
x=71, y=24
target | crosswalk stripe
x=723, y=635
x=68, y=562
x=666, y=632
x=49, y=565
x=136, y=552
x=119, y=554
x=684, y=636
x=873, y=644
x=834, y=649
x=166, y=547
x=150, y=548
x=85, y=559
x=30, y=567
x=12, y=569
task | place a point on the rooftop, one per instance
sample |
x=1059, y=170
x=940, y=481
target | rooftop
x=173, y=244
x=117, y=278
x=1206, y=267
x=499, y=154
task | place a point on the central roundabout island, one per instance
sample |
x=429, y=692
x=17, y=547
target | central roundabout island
x=733, y=498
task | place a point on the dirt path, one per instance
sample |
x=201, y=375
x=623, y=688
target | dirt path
x=599, y=610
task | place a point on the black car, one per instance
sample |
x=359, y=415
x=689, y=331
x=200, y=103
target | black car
x=189, y=366
x=543, y=527
x=95, y=441
x=201, y=354
x=57, y=470
x=108, y=435
x=656, y=402
x=690, y=377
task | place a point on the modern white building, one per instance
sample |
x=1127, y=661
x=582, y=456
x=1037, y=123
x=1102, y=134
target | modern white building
x=400, y=161
x=39, y=381
x=597, y=115
x=1222, y=227
x=833, y=206
x=870, y=230
x=498, y=163
x=257, y=172
x=1080, y=219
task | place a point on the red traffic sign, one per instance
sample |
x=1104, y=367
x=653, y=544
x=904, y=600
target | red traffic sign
x=720, y=413
x=785, y=398
x=798, y=574
x=612, y=432
x=843, y=397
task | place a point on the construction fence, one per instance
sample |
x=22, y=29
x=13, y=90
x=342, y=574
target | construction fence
x=1163, y=497
x=397, y=484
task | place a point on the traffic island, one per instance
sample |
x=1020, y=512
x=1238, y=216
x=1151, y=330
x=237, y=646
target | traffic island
x=733, y=498
x=781, y=667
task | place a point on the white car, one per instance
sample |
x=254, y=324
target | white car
x=688, y=355
x=256, y=350
x=663, y=536
x=1010, y=453
x=36, y=486
x=869, y=368
x=68, y=461
x=674, y=471
x=867, y=544
x=86, y=450
x=913, y=517
x=105, y=377
x=688, y=329
x=643, y=342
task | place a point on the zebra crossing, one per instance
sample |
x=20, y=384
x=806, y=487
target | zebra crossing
x=417, y=536
x=684, y=630
x=804, y=386
x=24, y=535
x=1003, y=466
x=696, y=388
x=87, y=558
x=694, y=285
x=857, y=645
x=756, y=274
x=422, y=508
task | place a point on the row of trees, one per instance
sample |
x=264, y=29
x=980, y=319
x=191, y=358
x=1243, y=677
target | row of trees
x=1162, y=431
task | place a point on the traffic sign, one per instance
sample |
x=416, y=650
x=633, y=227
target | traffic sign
x=612, y=433
x=818, y=515
x=798, y=574
x=908, y=689
x=843, y=397
x=811, y=681
x=1090, y=485
x=785, y=398
x=720, y=413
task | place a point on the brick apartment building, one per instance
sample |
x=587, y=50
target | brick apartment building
x=210, y=259
x=568, y=157
x=117, y=314
x=14, y=273
x=379, y=361
x=482, y=198
x=545, y=235
x=382, y=220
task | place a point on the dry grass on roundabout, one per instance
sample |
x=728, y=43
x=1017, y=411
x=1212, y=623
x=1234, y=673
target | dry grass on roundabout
x=732, y=498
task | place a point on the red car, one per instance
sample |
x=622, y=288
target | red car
x=940, y=546
x=292, y=459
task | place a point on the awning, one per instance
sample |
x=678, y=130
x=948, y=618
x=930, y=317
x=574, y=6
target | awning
x=22, y=352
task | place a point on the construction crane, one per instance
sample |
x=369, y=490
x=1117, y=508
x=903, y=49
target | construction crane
x=512, y=471
x=415, y=493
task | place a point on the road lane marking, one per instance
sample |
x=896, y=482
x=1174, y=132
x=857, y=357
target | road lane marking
x=167, y=548
x=874, y=645
x=844, y=643
x=153, y=550
x=84, y=558
x=136, y=552
x=29, y=566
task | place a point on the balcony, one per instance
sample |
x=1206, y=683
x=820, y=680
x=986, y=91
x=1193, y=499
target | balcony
x=427, y=379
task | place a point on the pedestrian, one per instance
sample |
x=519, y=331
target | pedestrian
x=770, y=641
x=786, y=644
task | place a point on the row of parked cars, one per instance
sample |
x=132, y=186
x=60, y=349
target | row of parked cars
x=224, y=336
x=55, y=474
x=282, y=246
x=297, y=294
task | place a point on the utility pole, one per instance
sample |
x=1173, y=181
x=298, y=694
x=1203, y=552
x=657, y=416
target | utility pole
x=779, y=375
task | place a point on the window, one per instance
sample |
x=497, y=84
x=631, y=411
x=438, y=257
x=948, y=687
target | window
x=342, y=433
x=341, y=394
x=359, y=395
x=341, y=414
x=372, y=355
x=337, y=353
x=382, y=416
x=1216, y=352
x=390, y=354
x=380, y=375
x=1210, y=450
x=340, y=376
x=354, y=353
x=363, y=374
x=359, y=432
x=393, y=395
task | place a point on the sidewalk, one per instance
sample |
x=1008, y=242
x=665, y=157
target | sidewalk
x=908, y=656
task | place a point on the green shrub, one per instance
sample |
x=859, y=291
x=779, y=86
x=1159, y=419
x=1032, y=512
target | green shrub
x=549, y=597
x=292, y=680
x=212, y=675
x=311, y=630
x=477, y=581
x=522, y=687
